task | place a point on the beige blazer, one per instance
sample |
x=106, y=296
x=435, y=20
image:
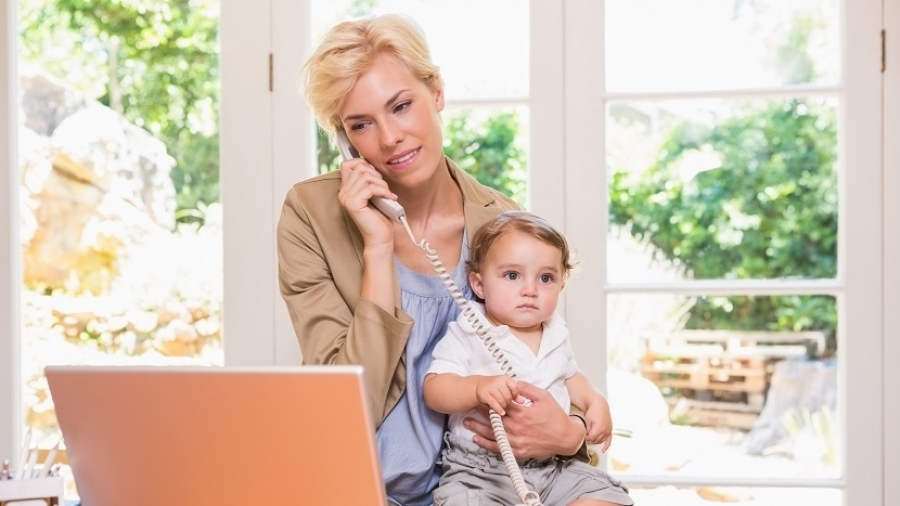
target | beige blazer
x=320, y=271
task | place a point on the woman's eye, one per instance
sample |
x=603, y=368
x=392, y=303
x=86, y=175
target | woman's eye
x=402, y=106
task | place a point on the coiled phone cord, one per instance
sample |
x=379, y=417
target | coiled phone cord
x=529, y=497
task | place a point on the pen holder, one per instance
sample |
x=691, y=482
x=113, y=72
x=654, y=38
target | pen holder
x=50, y=490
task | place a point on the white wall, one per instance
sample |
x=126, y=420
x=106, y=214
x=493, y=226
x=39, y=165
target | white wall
x=860, y=257
x=584, y=132
x=246, y=183
x=293, y=142
x=267, y=145
x=891, y=191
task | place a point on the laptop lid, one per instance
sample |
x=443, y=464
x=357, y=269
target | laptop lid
x=185, y=435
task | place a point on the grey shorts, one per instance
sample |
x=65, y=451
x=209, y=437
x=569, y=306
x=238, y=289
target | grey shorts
x=474, y=476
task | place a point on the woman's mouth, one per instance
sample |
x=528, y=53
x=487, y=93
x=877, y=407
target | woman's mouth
x=404, y=160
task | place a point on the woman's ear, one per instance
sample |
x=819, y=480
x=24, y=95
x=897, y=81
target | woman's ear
x=476, y=284
x=438, y=91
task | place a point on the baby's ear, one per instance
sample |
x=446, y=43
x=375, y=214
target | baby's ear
x=476, y=283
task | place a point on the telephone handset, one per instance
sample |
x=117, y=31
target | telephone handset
x=391, y=208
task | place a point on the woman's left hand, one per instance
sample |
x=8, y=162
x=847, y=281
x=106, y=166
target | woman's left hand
x=537, y=430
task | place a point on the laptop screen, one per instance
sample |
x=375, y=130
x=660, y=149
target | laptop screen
x=207, y=435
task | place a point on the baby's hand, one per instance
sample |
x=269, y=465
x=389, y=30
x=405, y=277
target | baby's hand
x=599, y=424
x=497, y=392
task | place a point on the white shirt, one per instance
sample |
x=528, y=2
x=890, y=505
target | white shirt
x=461, y=351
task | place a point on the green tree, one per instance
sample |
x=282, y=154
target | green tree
x=488, y=150
x=160, y=69
x=767, y=210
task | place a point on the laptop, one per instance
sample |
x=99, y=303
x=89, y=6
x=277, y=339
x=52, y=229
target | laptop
x=194, y=435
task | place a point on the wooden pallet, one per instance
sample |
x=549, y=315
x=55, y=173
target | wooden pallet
x=727, y=372
x=715, y=413
x=748, y=375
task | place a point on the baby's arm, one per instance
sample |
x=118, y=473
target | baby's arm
x=584, y=396
x=451, y=393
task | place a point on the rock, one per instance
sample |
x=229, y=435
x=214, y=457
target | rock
x=93, y=187
x=797, y=386
x=45, y=101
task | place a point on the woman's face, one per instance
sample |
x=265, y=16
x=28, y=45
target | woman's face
x=392, y=119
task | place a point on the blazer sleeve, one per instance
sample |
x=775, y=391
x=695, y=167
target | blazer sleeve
x=319, y=282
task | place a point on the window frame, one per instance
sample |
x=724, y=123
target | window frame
x=251, y=300
x=860, y=255
x=10, y=378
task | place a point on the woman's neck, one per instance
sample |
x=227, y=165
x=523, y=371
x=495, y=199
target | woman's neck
x=434, y=213
x=439, y=196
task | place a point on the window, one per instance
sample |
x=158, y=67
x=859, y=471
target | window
x=119, y=216
x=660, y=88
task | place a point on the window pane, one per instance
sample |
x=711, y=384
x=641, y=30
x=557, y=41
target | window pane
x=664, y=45
x=706, y=189
x=491, y=143
x=119, y=163
x=736, y=387
x=461, y=34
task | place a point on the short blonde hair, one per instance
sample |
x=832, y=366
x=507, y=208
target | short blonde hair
x=350, y=48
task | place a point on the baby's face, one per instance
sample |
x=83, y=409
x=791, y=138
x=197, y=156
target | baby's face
x=520, y=281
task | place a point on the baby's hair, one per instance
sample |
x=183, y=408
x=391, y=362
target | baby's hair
x=518, y=221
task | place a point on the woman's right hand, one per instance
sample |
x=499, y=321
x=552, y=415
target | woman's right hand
x=360, y=181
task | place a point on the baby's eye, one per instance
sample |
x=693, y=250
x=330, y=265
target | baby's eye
x=546, y=278
x=512, y=276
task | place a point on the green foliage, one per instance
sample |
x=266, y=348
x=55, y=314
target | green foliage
x=487, y=148
x=766, y=209
x=327, y=155
x=159, y=67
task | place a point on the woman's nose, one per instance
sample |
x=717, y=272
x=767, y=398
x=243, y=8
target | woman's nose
x=391, y=135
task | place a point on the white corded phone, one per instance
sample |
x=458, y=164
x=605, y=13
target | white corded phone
x=393, y=210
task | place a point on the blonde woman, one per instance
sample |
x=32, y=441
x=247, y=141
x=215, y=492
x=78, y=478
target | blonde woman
x=357, y=289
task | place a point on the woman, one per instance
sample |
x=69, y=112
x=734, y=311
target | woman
x=357, y=289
